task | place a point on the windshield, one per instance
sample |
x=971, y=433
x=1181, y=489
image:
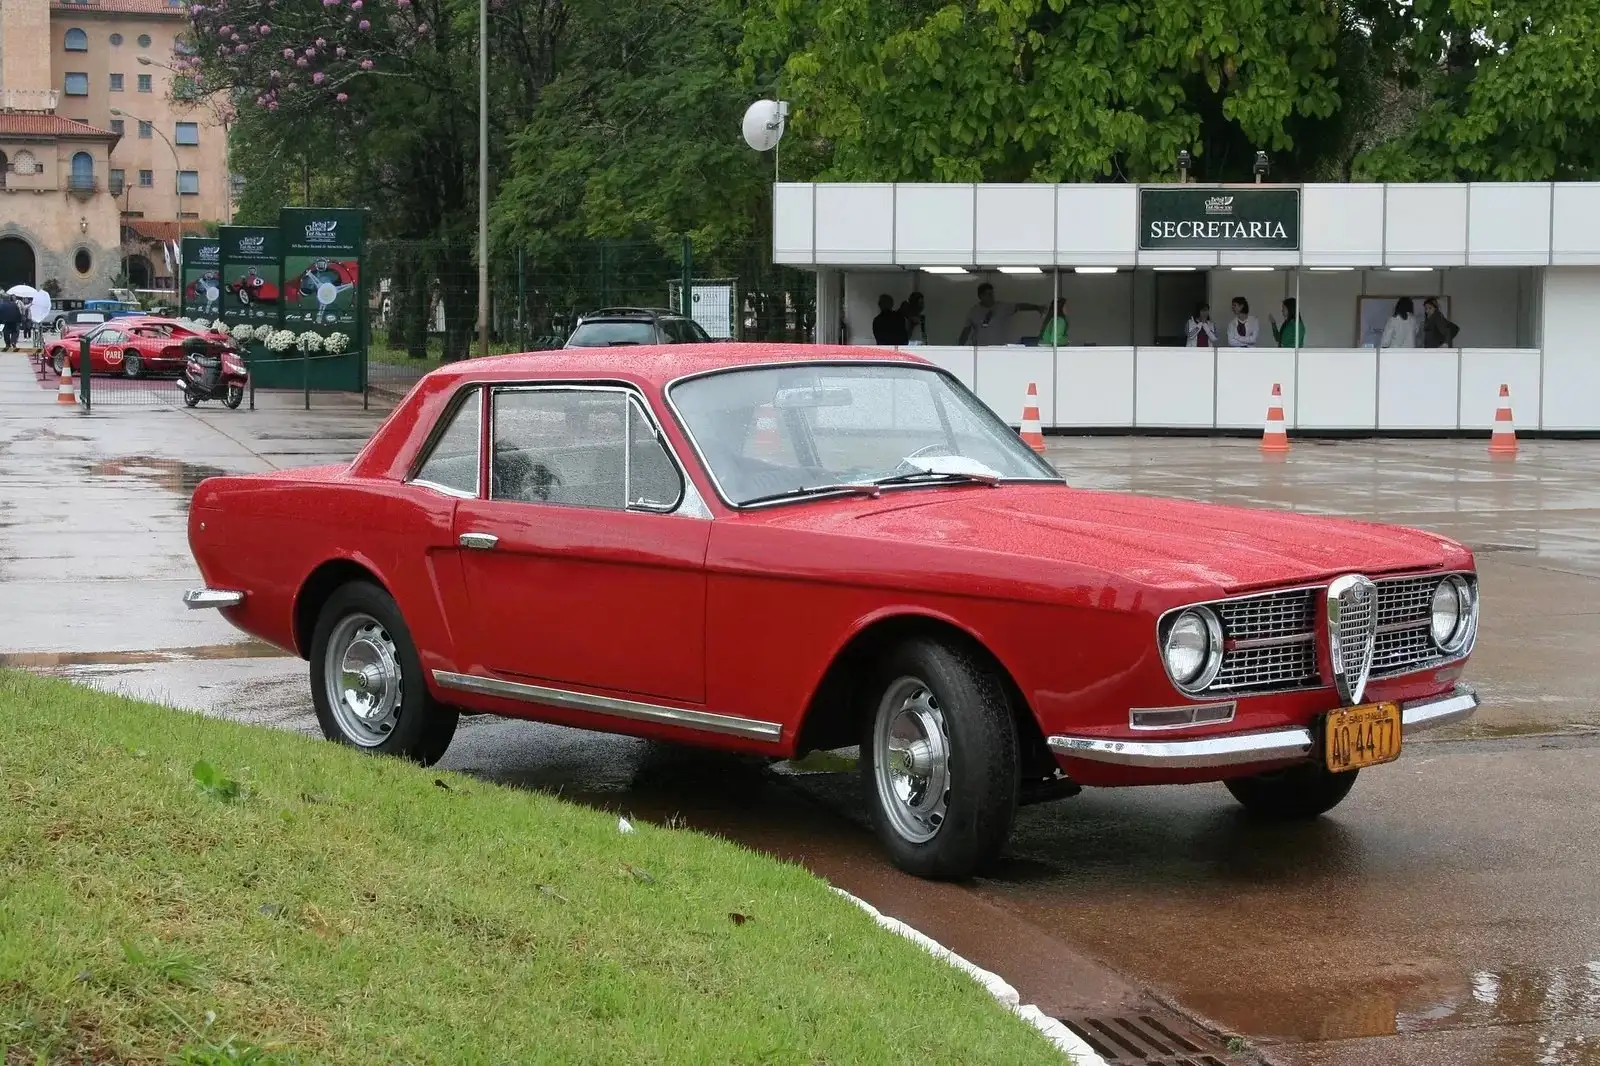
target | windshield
x=768, y=432
x=605, y=334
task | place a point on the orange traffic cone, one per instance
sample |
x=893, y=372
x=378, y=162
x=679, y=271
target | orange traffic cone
x=1275, y=437
x=1032, y=433
x=66, y=393
x=1503, y=441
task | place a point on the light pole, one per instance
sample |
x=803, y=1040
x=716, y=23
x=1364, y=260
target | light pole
x=177, y=167
x=483, y=177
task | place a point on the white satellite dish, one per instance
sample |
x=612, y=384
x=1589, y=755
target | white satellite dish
x=763, y=124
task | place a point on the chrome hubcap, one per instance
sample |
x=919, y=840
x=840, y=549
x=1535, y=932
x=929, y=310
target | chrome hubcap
x=363, y=680
x=911, y=755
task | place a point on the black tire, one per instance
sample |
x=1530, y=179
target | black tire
x=59, y=360
x=233, y=397
x=422, y=728
x=982, y=761
x=132, y=364
x=1299, y=793
x=190, y=399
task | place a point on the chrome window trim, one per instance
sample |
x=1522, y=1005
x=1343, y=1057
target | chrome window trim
x=731, y=368
x=630, y=394
x=443, y=490
x=636, y=710
x=440, y=427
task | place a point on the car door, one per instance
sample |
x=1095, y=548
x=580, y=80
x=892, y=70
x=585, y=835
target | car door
x=581, y=569
x=105, y=350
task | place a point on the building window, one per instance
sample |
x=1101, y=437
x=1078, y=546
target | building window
x=116, y=83
x=144, y=40
x=116, y=126
x=82, y=261
x=82, y=171
x=77, y=83
x=144, y=83
x=187, y=133
x=145, y=129
x=116, y=40
x=119, y=181
x=77, y=40
x=189, y=183
x=147, y=179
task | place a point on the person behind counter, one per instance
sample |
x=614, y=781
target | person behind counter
x=890, y=325
x=1401, y=329
x=1055, y=326
x=1201, y=331
x=1244, y=329
x=915, y=313
x=989, y=321
x=1292, y=333
x=1437, y=330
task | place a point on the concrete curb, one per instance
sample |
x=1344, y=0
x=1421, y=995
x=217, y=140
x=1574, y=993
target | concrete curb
x=1064, y=1039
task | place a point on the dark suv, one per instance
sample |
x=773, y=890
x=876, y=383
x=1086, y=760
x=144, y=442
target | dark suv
x=611, y=326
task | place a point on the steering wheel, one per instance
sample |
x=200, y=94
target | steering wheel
x=927, y=449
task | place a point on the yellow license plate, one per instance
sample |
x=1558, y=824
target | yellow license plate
x=1362, y=736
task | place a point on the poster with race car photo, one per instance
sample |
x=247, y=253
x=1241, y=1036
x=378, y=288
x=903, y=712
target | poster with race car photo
x=322, y=270
x=202, y=277
x=251, y=274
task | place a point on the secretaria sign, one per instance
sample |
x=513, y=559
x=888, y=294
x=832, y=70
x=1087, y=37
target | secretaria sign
x=1219, y=219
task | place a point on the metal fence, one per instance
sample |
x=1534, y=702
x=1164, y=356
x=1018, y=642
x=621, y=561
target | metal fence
x=425, y=298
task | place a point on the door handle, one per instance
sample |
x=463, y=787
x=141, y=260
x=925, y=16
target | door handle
x=479, y=541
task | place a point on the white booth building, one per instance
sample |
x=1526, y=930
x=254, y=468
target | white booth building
x=1515, y=266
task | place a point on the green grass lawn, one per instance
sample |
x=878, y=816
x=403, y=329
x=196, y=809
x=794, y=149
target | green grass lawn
x=292, y=901
x=379, y=352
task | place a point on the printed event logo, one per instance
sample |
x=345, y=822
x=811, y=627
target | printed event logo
x=324, y=231
x=252, y=245
x=1219, y=205
x=208, y=253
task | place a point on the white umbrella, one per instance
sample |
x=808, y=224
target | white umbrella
x=22, y=292
x=41, y=305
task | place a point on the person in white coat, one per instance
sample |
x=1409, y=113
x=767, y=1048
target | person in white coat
x=1243, y=329
x=1403, y=326
x=1201, y=331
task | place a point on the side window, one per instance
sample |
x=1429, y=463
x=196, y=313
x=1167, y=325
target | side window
x=580, y=448
x=453, y=463
x=653, y=481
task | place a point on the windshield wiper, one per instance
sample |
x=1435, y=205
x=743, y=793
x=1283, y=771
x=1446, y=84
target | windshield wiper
x=918, y=477
x=855, y=488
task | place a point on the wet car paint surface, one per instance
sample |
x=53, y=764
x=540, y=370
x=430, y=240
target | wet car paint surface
x=1446, y=914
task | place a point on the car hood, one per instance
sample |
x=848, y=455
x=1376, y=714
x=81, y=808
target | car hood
x=1151, y=540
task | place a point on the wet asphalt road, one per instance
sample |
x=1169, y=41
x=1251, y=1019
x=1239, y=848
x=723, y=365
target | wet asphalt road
x=1447, y=913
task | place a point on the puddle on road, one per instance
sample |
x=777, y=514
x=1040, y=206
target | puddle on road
x=45, y=660
x=179, y=477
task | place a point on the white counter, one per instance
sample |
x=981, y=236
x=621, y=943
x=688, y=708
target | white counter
x=1323, y=388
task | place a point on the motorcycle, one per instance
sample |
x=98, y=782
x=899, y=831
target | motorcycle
x=212, y=372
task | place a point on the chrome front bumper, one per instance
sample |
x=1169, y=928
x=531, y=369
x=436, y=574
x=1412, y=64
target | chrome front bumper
x=196, y=599
x=1238, y=749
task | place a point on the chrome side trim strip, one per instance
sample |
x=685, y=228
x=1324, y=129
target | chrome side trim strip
x=1238, y=749
x=198, y=599
x=585, y=701
x=1426, y=714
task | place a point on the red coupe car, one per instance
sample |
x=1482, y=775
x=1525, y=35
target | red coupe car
x=781, y=548
x=131, y=346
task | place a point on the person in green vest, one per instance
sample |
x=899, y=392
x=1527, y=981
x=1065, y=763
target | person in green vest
x=1054, y=333
x=1292, y=333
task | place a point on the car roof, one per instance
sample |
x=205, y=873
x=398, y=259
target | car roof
x=660, y=364
x=631, y=312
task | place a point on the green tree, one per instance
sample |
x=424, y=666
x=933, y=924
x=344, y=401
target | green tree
x=1510, y=90
x=1054, y=90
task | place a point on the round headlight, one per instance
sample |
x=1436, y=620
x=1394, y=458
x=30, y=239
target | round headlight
x=1450, y=623
x=1193, y=649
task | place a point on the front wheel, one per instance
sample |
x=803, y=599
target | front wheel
x=367, y=681
x=939, y=760
x=132, y=364
x=233, y=397
x=1299, y=793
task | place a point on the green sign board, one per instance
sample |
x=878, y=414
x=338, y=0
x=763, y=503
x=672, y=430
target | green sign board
x=323, y=290
x=201, y=277
x=252, y=275
x=1247, y=219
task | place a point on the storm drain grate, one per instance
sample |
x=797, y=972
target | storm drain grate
x=1147, y=1040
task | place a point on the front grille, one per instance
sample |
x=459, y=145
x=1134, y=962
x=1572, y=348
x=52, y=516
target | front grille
x=1277, y=614
x=1405, y=610
x=1408, y=599
x=1357, y=620
x=1402, y=650
x=1270, y=667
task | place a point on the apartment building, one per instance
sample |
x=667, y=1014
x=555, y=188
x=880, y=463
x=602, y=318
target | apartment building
x=109, y=153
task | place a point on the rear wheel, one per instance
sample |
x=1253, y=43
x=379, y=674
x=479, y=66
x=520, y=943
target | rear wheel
x=132, y=364
x=1299, y=793
x=939, y=760
x=367, y=681
x=190, y=399
x=59, y=361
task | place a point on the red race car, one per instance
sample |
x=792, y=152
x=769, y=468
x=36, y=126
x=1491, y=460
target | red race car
x=780, y=548
x=132, y=347
x=254, y=289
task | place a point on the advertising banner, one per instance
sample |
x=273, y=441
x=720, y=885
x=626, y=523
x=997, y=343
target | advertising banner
x=252, y=275
x=202, y=277
x=323, y=292
x=1239, y=219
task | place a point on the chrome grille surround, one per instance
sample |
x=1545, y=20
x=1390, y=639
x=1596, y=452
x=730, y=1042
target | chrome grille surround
x=1271, y=644
x=1352, y=633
